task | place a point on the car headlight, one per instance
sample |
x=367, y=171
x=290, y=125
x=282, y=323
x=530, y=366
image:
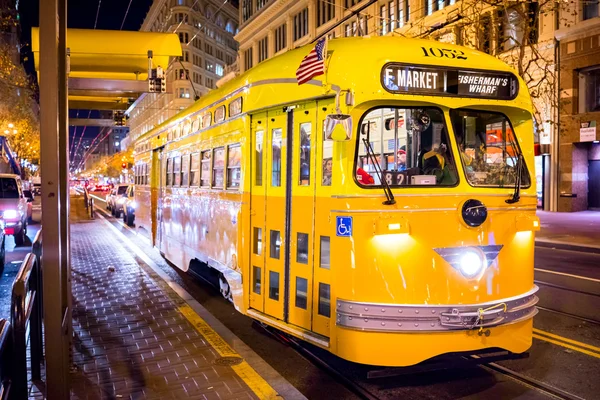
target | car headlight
x=10, y=214
x=471, y=263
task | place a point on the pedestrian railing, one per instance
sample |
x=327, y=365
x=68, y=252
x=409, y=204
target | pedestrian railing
x=89, y=203
x=6, y=359
x=26, y=311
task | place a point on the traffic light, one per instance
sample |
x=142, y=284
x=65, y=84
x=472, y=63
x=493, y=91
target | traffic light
x=119, y=118
x=157, y=81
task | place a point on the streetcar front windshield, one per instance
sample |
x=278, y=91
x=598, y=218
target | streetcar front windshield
x=408, y=146
x=488, y=148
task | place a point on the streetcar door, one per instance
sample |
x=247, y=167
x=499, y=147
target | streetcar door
x=258, y=192
x=268, y=213
x=301, y=215
x=156, y=185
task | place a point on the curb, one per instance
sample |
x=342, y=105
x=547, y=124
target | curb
x=552, y=244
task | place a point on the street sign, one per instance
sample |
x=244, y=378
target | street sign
x=344, y=226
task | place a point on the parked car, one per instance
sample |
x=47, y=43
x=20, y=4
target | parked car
x=114, y=195
x=13, y=206
x=29, y=196
x=117, y=206
x=129, y=207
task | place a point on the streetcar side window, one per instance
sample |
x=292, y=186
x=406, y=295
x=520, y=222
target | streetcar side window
x=259, y=158
x=257, y=241
x=177, y=171
x=301, y=292
x=304, y=173
x=147, y=175
x=324, y=300
x=135, y=174
x=274, y=285
x=275, y=245
x=325, y=252
x=302, y=248
x=169, y=171
x=218, y=167
x=276, y=158
x=194, y=170
x=234, y=165
x=205, y=172
x=327, y=161
x=185, y=167
x=256, y=286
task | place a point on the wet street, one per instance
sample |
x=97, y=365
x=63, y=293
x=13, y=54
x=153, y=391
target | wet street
x=563, y=362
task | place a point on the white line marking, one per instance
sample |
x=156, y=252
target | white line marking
x=569, y=275
x=559, y=242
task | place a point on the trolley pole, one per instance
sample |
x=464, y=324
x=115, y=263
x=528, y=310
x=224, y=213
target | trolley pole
x=54, y=162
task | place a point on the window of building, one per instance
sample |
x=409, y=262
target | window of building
x=325, y=11
x=263, y=49
x=219, y=54
x=485, y=35
x=205, y=171
x=383, y=21
x=590, y=9
x=347, y=30
x=260, y=4
x=183, y=37
x=209, y=66
x=589, y=90
x=301, y=24
x=248, y=59
x=403, y=12
x=185, y=56
x=351, y=3
x=195, y=169
x=229, y=27
x=197, y=43
x=219, y=69
x=184, y=93
x=432, y=6
x=210, y=83
x=517, y=26
x=280, y=37
x=208, y=49
x=218, y=167
x=234, y=165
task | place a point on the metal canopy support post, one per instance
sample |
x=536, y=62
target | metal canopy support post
x=53, y=117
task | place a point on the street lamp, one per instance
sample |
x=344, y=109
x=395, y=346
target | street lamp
x=11, y=126
x=6, y=131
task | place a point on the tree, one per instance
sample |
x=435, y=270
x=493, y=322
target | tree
x=19, y=120
x=510, y=31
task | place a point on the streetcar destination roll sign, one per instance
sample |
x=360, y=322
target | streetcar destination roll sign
x=440, y=81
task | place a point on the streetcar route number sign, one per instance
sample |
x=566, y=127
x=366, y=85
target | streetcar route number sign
x=343, y=226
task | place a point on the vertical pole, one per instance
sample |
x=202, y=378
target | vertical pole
x=63, y=153
x=51, y=105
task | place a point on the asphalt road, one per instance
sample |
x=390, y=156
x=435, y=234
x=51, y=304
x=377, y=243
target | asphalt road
x=559, y=363
x=565, y=354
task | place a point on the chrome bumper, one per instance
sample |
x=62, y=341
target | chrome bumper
x=439, y=318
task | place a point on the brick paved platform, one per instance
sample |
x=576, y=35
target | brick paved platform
x=135, y=340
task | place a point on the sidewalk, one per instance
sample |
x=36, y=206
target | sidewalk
x=136, y=338
x=575, y=231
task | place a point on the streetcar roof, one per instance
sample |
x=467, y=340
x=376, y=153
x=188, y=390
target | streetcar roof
x=370, y=55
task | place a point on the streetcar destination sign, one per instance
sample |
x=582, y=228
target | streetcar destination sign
x=440, y=81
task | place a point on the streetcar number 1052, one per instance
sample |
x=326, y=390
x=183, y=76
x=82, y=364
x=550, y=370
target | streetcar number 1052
x=440, y=53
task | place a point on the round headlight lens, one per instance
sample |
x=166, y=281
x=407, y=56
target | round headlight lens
x=474, y=213
x=471, y=263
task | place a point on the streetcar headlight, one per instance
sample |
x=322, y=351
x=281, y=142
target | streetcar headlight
x=10, y=214
x=471, y=263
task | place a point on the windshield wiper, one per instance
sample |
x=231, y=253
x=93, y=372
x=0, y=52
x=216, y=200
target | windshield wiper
x=386, y=188
x=517, y=193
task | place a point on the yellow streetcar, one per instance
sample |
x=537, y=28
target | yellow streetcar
x=384, y=211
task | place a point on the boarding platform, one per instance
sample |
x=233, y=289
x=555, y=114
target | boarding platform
x=135, y=337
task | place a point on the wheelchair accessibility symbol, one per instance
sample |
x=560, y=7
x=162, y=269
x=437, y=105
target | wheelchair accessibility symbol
x=344, y=226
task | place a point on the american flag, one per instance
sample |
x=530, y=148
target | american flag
x=313, y=64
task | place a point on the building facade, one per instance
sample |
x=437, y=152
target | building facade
x=579, y=82
x=205, y=29
x=519, y=32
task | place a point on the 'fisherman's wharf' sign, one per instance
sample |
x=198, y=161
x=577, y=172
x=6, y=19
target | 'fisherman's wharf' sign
x=441, y=81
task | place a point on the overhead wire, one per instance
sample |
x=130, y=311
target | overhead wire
x=125, y=17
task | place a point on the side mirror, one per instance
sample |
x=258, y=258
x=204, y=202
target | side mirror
x=338, y=127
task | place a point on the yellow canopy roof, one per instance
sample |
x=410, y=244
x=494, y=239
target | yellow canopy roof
x=109, y=69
